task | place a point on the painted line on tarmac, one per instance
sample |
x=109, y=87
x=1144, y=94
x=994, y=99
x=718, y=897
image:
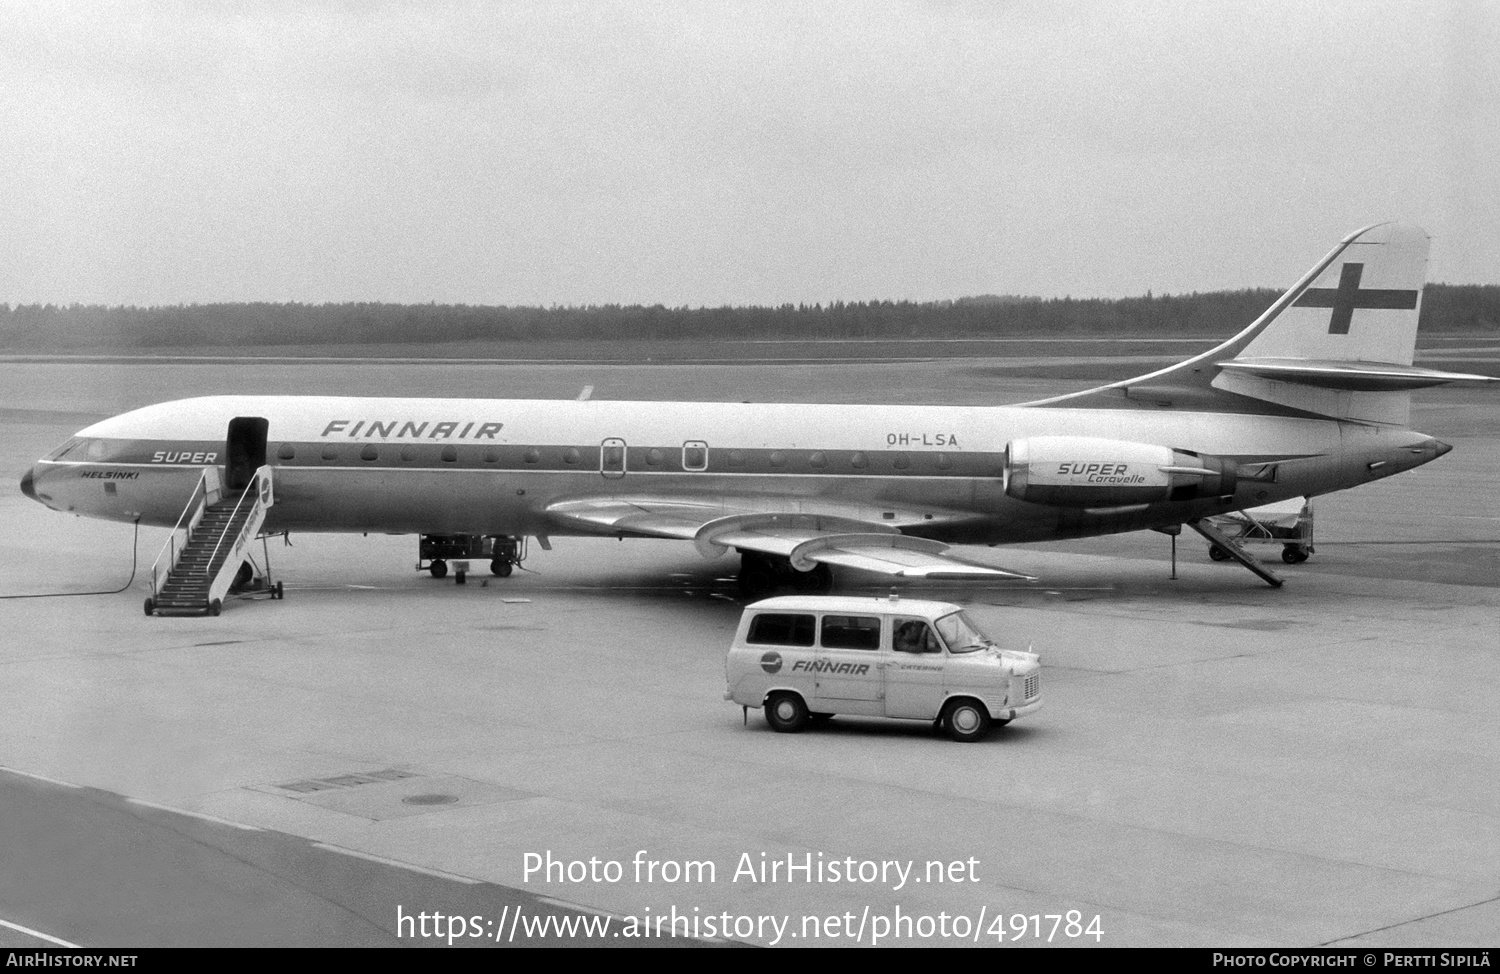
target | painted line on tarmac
x=38, y=934
x=565, y=905
x=576, y=908
x=41, y=777
x=397, y=863
x=199, y=815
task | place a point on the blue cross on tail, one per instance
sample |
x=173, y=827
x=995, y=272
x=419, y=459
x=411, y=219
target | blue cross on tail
x=1348, y=296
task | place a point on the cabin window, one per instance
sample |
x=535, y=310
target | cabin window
x=778, y=458
x=533, y=455
x=330, y=453
x=818, y=460
x=736, y=458
x=286, y=452
x=944, y=462
x=369, y=452
x=491, y=456
x=654, y=457
x=859, y=461
x=408, y=454
x=901, y=461
x=571, y=455
x=450, y=454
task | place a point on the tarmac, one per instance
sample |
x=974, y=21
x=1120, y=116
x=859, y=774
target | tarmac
x=1217, y=763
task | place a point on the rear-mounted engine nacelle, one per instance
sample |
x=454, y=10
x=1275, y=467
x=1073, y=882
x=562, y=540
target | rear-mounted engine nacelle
x=1085, y=471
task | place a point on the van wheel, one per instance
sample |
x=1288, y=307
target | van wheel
x=439, y=568
x=786, y=713
x=966, y=720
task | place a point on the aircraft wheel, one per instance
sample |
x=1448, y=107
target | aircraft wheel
x=215, y=607
x=757, y=577
x=439, y=568
x=1217, y=553
x=280, y=592
x=150, y=605
x=818, y=581
x=786, y=713
x=501, y=568
x=966, y=720
x=1293, y=555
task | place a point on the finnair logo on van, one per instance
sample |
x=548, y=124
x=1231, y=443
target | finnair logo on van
x=828, y=666
x=770, y=661
x=398, y=430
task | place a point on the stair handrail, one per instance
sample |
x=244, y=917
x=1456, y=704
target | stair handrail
x=192, y=513
x=260, y=487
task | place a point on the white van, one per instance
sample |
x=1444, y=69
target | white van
x=809, y=657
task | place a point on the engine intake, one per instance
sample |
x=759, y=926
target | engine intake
x=1085, y=471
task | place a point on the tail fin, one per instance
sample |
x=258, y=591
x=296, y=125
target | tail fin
x=1339, y=343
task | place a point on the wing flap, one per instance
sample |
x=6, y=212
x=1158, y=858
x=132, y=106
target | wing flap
x=805, y=539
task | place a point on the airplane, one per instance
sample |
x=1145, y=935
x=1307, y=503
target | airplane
x=1310, y=398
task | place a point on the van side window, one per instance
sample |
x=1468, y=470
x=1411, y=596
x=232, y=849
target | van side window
x=914, y=636
x=782, y=629
x=851, y=632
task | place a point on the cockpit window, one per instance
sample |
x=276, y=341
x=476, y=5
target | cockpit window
x=81, y=448
x=65, y=449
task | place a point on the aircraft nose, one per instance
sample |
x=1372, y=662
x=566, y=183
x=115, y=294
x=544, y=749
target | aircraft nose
x=1439, y=447
x=27, y=486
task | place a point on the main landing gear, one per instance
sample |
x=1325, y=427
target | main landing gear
x=761, y=575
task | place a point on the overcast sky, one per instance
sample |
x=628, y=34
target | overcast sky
x=721, y=153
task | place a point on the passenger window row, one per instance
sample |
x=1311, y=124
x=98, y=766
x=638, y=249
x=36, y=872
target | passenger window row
x=693, y=458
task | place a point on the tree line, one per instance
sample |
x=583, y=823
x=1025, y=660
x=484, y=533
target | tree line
x=49, y=327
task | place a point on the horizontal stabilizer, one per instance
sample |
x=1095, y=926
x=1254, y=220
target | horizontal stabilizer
x=1355, y=376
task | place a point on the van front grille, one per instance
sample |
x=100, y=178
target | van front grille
x=1033, y=685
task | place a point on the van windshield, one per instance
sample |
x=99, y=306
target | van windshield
x=961, y=635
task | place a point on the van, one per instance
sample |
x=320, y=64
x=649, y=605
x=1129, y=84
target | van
x=807, y=658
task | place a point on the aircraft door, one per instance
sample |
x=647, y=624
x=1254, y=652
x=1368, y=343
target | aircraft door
x=244, y=450
x=612, y=458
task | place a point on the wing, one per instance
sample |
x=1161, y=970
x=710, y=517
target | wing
x=833, y=535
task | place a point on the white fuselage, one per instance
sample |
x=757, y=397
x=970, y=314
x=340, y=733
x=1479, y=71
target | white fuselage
x=482, y=466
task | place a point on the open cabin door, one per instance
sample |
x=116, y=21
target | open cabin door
x=244, y=451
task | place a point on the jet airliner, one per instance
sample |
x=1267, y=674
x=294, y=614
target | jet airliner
x=1311, y=397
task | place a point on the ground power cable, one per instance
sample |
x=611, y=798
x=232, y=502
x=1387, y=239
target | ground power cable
x=135, y=547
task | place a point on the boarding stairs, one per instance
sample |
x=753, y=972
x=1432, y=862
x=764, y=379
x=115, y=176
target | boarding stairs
x=200, y=560
x=1234, y=550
